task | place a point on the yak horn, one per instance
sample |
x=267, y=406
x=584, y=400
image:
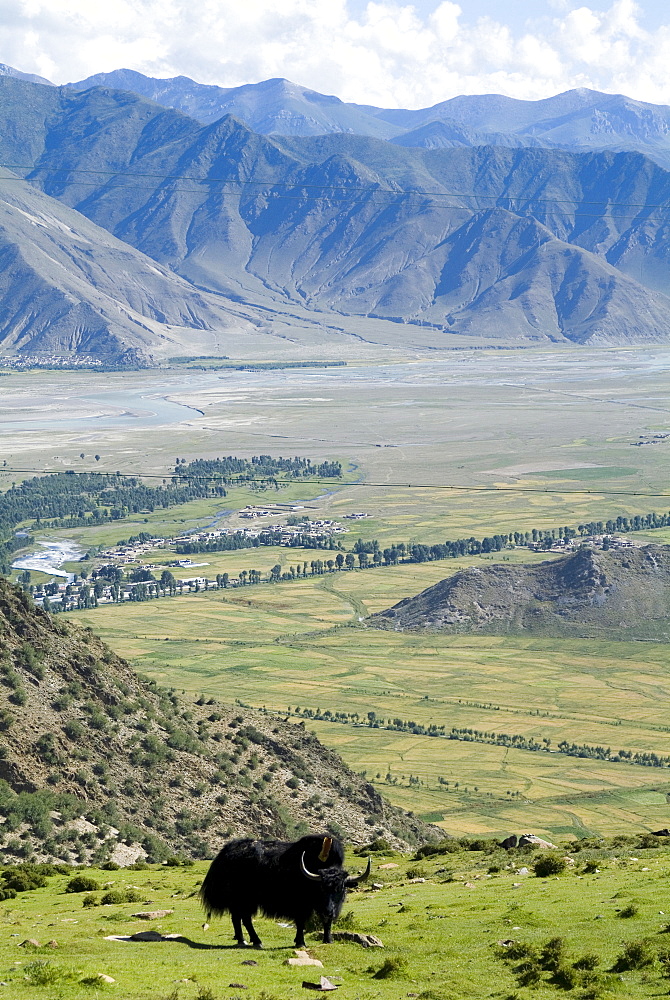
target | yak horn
x=325, y=848
x=306, y=873
x=354, y=880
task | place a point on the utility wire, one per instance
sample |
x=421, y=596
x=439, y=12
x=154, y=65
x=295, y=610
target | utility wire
x=371, y=190
x=229, y=481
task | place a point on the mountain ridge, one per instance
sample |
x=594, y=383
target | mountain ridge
x=578, y=119
x=621, y=592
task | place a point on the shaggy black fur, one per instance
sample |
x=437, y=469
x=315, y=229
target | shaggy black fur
x=251, y=875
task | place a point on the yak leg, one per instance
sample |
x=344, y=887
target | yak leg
x=237, y=929
x=253, y=936
x=300, y=932
x=327, y=936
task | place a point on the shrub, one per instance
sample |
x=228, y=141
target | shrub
x=552, y=955
x=73, y=729
x=566, y=977
x=587, y=962
x=82, y=883
x=23, y=881
x=415, y=872
x=442, y=847
x=90, y=899
x=378, y=846
x=628, y=911
x=392, y=966
x=113, y=896
x=44, y=974
x=635, y=955
x=549, y=864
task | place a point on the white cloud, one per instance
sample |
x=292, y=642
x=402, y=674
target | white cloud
x=390, y=54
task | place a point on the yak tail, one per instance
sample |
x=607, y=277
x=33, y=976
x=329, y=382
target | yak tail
x=211, y=905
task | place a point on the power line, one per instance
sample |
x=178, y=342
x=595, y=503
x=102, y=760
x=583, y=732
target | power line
x=347, y=190
x=329, y=482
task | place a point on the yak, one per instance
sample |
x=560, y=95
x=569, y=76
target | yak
x=289, y=880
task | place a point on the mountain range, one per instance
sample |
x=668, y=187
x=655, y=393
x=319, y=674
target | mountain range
x=464, y=223
x=579, y=119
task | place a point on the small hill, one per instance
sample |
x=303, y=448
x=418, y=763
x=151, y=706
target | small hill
x=616, y=593
x=97, y=763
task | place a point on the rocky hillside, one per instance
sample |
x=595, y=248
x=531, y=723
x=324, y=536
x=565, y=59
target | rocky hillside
x=618, y=593
x=97, y=763
x=68, y=287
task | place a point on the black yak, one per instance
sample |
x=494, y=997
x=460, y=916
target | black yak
x=289, y=880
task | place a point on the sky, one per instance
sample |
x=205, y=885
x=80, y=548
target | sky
x=382, y=53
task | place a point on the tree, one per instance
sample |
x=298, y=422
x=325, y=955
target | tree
x=97, y=458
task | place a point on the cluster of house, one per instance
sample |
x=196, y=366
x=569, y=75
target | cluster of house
x=649, y=439
x=24, y=361
x=599, y=541
x=77, y=592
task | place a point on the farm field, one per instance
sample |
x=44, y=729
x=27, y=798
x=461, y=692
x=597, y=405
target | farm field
x=300, y=644
x=441, y=936
x=468, y=444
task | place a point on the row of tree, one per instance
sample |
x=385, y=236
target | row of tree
x=469, y=735
x=231, y=468
x=268, y=536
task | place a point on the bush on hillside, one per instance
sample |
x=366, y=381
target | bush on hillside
x=82, y=883
x=549, y=864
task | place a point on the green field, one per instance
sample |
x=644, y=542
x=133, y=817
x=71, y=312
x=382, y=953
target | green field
x=301, y=644
x=441, y=936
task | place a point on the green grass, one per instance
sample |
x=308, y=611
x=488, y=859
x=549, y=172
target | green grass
x=440, y=937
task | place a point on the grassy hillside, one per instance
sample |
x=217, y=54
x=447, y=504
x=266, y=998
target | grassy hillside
x=482, y=924
x=97, y=763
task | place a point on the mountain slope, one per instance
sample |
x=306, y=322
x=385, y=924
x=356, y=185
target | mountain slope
x=93, y=758
x=69, y=287
x=618, y=593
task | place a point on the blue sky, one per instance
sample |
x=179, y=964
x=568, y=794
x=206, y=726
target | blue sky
x=385, y=52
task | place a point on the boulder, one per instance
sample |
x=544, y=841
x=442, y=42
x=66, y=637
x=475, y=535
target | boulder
x=366, y=940
x=303, y=958
x=529, y=838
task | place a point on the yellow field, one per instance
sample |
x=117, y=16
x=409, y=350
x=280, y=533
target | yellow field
x=301, y=644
